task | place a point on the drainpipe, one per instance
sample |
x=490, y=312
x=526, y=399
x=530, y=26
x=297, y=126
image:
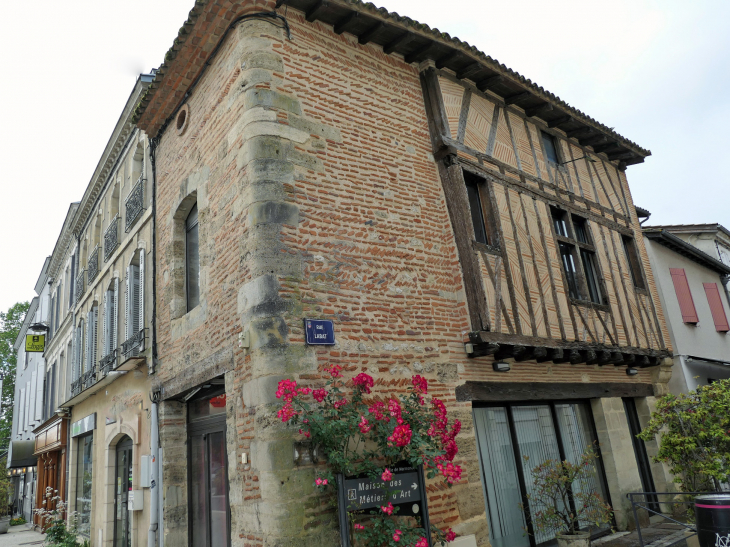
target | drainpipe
x=154, y=453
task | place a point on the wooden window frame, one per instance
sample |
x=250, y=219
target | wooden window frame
x=579, y=249
x=632, y=257
x=486, y=210
x=554, y=140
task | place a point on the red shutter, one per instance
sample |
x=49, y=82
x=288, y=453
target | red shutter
x=686, y=304
x=718, y=312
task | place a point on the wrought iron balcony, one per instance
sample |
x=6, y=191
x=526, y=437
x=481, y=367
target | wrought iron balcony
x=88, y=378
x=111, y=238
x=134, y=344
x=134, y=204
x=108, y=363
x=79, y=288
x=76, y=387
x=93, y=268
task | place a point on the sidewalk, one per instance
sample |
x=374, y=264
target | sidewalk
x=21, y=535
x=655, y=535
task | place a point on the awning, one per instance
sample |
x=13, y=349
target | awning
x=21, y=454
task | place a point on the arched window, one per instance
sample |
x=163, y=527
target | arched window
x=192, y=259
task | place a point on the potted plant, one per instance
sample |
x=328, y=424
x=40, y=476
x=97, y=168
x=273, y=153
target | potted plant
x=5, y=489
x=563, y=500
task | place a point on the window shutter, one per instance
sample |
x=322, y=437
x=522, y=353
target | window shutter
x=32, y=396
x=134, y=301
x=140, y=305
x=71, y=282
x=27, y=405
x=105, y=325
x=87, y=347
x=50, y=319
x=94, y=339
x=115, y=314
x=21, y=416
x=718, y=312
x=684, y=295
x=40, y=378
x=127, y=306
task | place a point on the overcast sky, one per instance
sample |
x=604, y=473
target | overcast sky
x=656, y=71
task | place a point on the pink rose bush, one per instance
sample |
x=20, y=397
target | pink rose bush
x=362, y=432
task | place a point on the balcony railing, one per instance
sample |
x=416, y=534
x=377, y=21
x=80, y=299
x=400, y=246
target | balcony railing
x=79, y=288
x=108, y=363
x=76, y=387
x=93, y=265
x=111, y=238
x=88, y=378
x=135, y=344
x=134, y=205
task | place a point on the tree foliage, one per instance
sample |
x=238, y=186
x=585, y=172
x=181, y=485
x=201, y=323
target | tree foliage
x=10, y=324
x=694, y=433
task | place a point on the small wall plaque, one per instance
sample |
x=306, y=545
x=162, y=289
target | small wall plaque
x=319, y=331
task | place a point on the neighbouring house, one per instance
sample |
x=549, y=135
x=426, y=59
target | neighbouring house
x=691, y=264
x=331, y=160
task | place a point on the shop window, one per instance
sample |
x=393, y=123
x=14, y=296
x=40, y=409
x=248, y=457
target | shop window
x=512, y=440
x=123, y=486
x=83, y=483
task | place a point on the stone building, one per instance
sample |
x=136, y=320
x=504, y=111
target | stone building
x=331, y=160
x=108, y=397
x=692, y=266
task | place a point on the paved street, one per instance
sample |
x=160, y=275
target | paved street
x=21, y=535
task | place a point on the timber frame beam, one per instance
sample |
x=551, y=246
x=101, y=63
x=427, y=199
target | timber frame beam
x=489, y=392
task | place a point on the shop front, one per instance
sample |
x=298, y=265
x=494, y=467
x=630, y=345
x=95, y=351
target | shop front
x=22, y=471
x=50, y=449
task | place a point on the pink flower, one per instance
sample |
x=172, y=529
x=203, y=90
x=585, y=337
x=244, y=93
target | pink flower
x=420, y=384
x=396, y=535
x=450, y=535
x=377, y=409
x=387, y=509
x=359, y=527
x=319, y=395
x=342, y=402
x=307, y=434
x=401, y=435
x=394, y=408
x=364, y=425
x=324, y=481
x=423, y=542
x=286, y=412
x=450, y=471
x=451, y=450
x=287, y=390
x=363, y=381
x=334, y=371
x=318, y=482
x=387, y=475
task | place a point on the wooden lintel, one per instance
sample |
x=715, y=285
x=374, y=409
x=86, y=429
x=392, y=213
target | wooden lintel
x=313, y=13
x=443, y=61
x=419, y=53
x=342, y=24
x=489, y=83
x=560, y=121
x=469, y=71
x=370, y=33
x=401, y=40
x=517, y=97
x=548, y=391
x=537, y=110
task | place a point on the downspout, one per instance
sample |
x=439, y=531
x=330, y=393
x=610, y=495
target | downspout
x=154, y=453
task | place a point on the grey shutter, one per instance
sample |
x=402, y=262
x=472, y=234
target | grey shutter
x=105, y=325
x=75, y=350
x=127, y=306
x=21, y=416
x=94, y=340
x=115, y=314
x=27, y=405
x=33, y=384
x=40, y=378
x=140, y=305
x=71, y=282
x=87, y=346
x=50, y=318
x=134, y=300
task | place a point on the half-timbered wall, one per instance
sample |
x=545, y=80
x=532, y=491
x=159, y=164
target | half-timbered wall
x=524, y=293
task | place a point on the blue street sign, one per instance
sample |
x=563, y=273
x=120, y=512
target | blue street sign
x=319, y=331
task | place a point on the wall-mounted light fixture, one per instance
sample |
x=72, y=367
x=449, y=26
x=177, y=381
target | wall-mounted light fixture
x=501, y=366
x=631, y=371
x=581, y=158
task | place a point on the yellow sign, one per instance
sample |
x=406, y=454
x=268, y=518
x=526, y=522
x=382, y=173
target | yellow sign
x=35, y=342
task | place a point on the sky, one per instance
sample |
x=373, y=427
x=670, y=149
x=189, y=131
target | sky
x=657, y=71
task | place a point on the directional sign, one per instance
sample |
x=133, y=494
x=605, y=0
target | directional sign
x=364, y=493
x=319, y=331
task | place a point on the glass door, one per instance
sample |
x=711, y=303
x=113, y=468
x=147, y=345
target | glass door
x=123, y=486
x=642, y=458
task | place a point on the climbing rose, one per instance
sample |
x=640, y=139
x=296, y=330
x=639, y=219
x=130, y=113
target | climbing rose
x=423, y=542
x=286, y=412
x=396, y=535
x=387, y=475
x=394, y=408
x=307, y=434
x=359, y=527
x=451, y=449
x=321, y=482
x=341, y=402
x=319, y=395
x=450, y=471
x=450, y=535
x=363, y=381
x=287, y=390
x=401, y=435
x=334, y=371
x=387, y=509
x=377, y=409
x=420, y=384
x=364, y=425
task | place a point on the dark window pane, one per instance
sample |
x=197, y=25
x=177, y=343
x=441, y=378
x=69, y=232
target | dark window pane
x=218, y=490
x=566, y=254
x=551, y=152
x=581, y=233
x=632, y=257
x=477, y=218
x=198, y=494
x=591, y=271
x=83, y=484
x=192, y=259
x=561, y=227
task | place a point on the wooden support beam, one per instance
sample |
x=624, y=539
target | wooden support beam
x=524, y=353
x=481, y=350
x=642, y=361
x=505, y=351
x=537, y=110
x=469, y=71
x=591, y=357
x=617, y=358
x=448, y=58
x=313, y=13
x=575, y=357
x=401, y=40
x=604, y=358
x=605, y=147
x=559, y=356
x=629, y=359
x=419, y=54
x=489, y=83
x=517, y=97
x=549, y=391
x=591, y=139
x=540, y=354
x=560, y=121
x=370, y=33
x=620, y=155
x=279, y=3
x=342, y=24
x=579, y=133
